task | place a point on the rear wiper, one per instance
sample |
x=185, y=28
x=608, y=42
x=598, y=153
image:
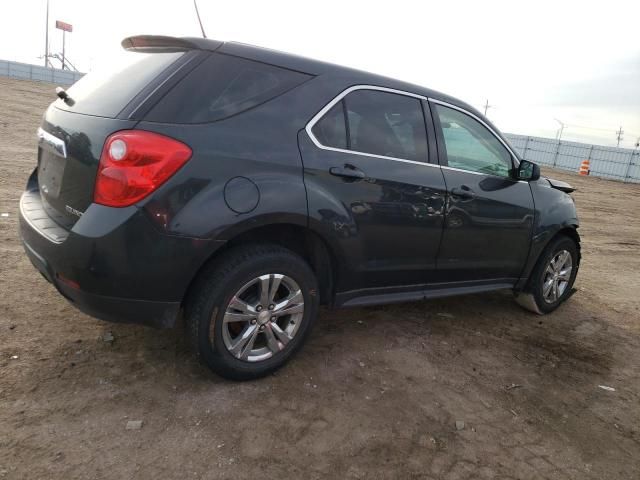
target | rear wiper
x=64, y=96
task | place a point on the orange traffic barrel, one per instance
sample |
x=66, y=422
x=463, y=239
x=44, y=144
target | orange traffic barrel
x=584, y=168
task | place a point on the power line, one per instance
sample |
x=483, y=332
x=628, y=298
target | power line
x=563, y=126
x=573, y=125
x=590, y=128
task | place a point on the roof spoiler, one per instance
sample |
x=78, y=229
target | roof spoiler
x=161, y=43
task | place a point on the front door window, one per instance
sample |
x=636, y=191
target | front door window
x=471, y=146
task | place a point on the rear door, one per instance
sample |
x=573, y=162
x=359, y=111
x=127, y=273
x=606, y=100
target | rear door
x=372, y=189
x=489, y=214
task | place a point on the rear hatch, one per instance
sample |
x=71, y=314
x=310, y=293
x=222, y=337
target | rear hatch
x=73, y=132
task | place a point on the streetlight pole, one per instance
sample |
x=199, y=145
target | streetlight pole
x=63, y=47
x=46, y=39
x=65, y=27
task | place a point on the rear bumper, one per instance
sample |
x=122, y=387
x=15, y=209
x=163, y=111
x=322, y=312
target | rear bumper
x=112, y=309
x=115, y=265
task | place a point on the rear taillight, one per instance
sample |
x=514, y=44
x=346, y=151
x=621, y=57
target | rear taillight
x=134, y=163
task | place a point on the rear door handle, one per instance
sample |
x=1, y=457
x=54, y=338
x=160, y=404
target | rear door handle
x=463, y=192
x=348, y=171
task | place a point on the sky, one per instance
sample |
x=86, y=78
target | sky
x=534, y=61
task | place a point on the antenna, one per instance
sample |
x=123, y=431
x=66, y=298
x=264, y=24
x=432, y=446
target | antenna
x=199, y=21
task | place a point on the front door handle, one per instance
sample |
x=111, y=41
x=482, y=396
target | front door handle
x=348, y=171
x=463, y=192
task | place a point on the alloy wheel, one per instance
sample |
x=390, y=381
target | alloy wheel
x=556, y=277
x=262, y=317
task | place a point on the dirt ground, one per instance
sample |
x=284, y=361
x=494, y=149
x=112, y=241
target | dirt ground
x=376, y=392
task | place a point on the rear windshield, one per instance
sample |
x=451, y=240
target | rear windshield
x=107, y=90
x=222, y=86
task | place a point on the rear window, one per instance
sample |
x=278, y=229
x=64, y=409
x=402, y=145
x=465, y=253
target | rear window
x=223, y=86
x=107, y=90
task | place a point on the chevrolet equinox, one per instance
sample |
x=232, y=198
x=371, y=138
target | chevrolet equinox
x=242, y=188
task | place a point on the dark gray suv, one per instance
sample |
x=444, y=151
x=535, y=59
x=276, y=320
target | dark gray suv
x=245, y=187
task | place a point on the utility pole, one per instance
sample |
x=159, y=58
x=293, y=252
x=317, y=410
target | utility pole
x=486, y=107
x=619, y=135
x=560, y=130
x=46, y=39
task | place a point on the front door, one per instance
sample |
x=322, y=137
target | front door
x=489, y=214
x=372, y=190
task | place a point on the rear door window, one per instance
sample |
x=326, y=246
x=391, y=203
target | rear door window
x=378, y=123
x=223, y=86
x=107, y=90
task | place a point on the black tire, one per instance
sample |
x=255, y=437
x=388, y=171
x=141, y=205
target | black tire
x=217, y=286
x=537, y=279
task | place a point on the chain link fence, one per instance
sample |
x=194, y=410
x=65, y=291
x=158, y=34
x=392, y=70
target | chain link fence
x=607, y=162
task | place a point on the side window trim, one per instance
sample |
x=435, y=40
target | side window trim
x=433, y=123
x=341, y=98
x=442, y=150
x=347, y=129
x=432, y=140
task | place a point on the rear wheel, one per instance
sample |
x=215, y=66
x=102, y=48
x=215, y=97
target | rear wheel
x=552, y=279
x=249, y=313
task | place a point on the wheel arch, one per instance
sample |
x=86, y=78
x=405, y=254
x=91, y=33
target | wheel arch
x=309, y=244
x=544, y=240
x=570, y=231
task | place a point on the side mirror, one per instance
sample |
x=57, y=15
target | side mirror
x=528, y=171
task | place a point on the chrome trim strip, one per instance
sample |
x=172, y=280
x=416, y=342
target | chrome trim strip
x=347, y=91
x=51, y=143
x=364, y=154
x=446, y=167
x=338, y=98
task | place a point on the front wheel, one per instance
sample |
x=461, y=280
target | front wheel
x=251, y=312
x=552, y=279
